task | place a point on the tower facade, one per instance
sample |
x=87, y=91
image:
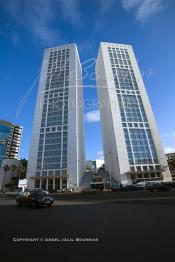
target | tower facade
x=10, y=139
x=56, y=158
x=131, y=142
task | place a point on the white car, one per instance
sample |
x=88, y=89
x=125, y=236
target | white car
x=140, y=184
x=61, y=190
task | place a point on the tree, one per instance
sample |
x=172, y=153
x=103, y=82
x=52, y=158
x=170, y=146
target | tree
x=13, y=168
x=6, y=168
x=24, y=162
x=88, y=168
x=21, y=171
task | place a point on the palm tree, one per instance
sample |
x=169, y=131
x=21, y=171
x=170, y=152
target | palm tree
x=14, y=178
x=24, y=162
x=20, y=170
x=23, y=167
x=13, y=168
x=6, y=168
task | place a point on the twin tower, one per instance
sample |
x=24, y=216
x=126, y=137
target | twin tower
x=131, y=143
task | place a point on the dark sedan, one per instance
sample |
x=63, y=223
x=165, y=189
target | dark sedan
x=153, y=187
x=132, y=187
x=34, y=198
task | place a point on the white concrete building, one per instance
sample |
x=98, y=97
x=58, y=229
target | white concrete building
x=132, y=146
x=56, y=158
x=6, y=176
x=94, y=165
x=10, y=140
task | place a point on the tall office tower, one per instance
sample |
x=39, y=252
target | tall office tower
x=10, y=139
x=56, y=158
x=132, y=147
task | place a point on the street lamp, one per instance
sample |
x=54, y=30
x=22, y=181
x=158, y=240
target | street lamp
x=109, y=165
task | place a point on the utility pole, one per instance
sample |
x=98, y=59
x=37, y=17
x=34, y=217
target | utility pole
x=109, y=163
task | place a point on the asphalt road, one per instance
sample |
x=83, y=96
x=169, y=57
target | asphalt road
x=127, y=226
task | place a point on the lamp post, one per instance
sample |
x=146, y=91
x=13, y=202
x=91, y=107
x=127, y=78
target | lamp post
x=78, y=173
x=109, y=165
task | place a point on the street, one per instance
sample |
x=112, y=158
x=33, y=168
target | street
x=126, y=226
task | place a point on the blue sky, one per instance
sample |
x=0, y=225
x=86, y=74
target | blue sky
x=28, y=26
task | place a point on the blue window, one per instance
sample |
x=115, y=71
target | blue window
x=143, y=148
x=130, y=106
x=128, y=146
x=4, y=135
x=124, y=79
x=55, y=113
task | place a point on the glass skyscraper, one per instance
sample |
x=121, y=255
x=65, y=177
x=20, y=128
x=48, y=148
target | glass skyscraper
x=56, y=158
x=10, y=139
x=132, y=147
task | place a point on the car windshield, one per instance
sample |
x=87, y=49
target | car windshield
x=29, y=193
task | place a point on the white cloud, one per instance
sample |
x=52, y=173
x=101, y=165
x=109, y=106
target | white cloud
x=169, y=150
x=70, y=11
x=150, y=72
x=92, y=116
x=100, y=155
x=84, y=46
x=39, y=17
x=14, y=37
x=165, y=135
x=127, y=4
x=144, y=9
x=105, y=5
x=168, y=134
x=36, y=18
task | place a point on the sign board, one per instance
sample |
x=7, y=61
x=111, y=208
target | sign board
x=22, y=183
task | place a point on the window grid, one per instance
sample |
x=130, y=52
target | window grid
x=138, y=139
x=53, y=147
x=142, y=147
x=120, y=62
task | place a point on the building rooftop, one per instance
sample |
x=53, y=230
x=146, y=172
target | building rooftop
x=5, y=123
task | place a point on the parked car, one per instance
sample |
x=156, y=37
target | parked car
x=133, y=187
x=68, y=190
x=34, y=198
x=153, y=187
x=141, y=184
x=172, y=184
x=64, y=190
x=115, y=188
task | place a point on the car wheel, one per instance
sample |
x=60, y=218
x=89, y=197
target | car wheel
x=19, y=204
x=34, y=205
